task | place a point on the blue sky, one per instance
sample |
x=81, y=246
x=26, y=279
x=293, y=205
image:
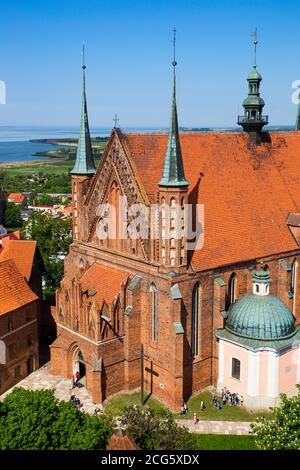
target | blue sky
x=129, y=52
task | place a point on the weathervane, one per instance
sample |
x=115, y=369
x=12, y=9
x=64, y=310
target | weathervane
x=116, y=120
x=255, y=42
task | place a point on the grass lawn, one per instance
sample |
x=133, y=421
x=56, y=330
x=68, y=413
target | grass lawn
x=228, y=413
x=223, y=442
x=117, y=404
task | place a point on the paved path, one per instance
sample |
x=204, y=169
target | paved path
x=42, y=379
x=216, y=427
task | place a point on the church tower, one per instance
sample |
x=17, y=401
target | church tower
x=84, y=167
x=173, y=192
x=253, y=120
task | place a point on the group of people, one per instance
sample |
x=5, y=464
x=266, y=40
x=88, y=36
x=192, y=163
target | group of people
x=76, y=402
x=184, y=408
x=227, y=398
x=232, y=399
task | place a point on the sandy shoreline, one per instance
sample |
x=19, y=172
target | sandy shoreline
x=32, y=162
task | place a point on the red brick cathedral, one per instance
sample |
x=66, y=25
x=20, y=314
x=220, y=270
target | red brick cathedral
x=120, y=292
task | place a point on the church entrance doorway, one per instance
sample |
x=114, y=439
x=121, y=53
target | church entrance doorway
x=79, y=364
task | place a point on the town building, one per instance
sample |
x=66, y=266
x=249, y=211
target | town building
x=173, y=297
x=28, y=261
x=19, y=311
x=17, y=198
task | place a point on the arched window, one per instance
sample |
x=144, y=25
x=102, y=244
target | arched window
x=196, y=317
x=293, y=276
x=153, y=310
x=293, y=287
x=231, y=294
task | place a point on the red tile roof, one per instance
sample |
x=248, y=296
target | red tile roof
x=68, y=210
x=103, y=280
x=17, y=198
x=120, y=441
x=22, y=252
x=247, y=193
x=14, y=290
x=10, y=236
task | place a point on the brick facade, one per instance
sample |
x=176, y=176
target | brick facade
x=19, y=315
x=108, y=334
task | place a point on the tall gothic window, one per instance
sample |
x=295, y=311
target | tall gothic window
x=231, y=294
x=196, y=317
x=293, y=276
x=293, y=287
x=154, y=312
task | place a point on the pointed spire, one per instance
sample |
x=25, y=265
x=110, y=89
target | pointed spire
x=298, y=115
x=84, y=164
x=173, y=173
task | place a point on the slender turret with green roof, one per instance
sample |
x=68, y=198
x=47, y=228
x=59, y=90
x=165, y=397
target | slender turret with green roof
x=173, y=173
x=84, y=164
x=253, y=121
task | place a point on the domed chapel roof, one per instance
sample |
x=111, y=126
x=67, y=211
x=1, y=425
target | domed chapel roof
x=260, y=316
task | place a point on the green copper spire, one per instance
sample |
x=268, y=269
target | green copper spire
x=84, y=164
x=173, y=173
x=298, y=115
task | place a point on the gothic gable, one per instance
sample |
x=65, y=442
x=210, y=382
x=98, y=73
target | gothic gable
x=115, y=183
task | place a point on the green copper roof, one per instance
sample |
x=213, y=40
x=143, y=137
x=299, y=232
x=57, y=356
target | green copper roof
x=261, y=276
x=263, y=317
x=253, y=100
x=84, y=164
x=254, y=74
x=178, y=328
x=254, y=344
x=173, y=173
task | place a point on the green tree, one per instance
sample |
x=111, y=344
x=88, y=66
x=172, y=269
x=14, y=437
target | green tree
x=36, y=420
x=53, y=237
x=12, y=217
x=282, y=431
x=33, y=198
x=157, y=431
x=45, y=200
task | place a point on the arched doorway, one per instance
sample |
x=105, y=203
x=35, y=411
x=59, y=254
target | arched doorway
x=79, y=363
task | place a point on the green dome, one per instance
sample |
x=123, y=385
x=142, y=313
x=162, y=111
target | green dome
x=254, y=74
x=260, y=317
